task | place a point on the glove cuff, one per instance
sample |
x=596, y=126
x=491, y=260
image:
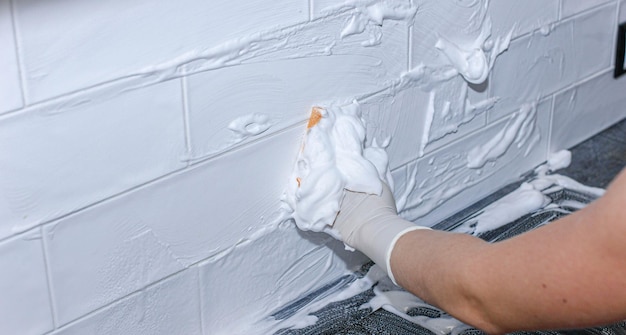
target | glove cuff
x=378, y=237
x=387, y=266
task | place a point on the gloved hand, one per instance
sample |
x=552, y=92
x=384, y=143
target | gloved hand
x=370, y=224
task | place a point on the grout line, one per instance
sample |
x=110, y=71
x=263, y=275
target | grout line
x=589, y=10
x=615, y=35
x=240, y=146
x=474, y=132
x=409, y=57
x=311, y=10
x=186, y=123
x=539, y=101
x=409, y=60
x=99, y=309
x=201, y=308
x=18, y=47
x=551, y=126
x=166, y=176
x=142, y=79
x=91, y=91
x=555, y=93
x=130, y=295
x=582, y=81
x=453, y=143
x=51, y=295
x=101, y=201
x=562, y=21
x=489, y=113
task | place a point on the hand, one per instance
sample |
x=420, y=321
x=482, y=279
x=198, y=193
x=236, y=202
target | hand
x=359, y=210
x=370, y=224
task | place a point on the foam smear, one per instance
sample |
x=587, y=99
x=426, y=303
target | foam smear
x=475, y=61
x=526, y=199
x=333, y=158
x=387, y=296
x=373, y=14
x=401, y=303
x=529, y=197
x=518, y=130
x=304, y=317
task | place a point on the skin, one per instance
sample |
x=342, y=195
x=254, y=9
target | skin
x=568, y=274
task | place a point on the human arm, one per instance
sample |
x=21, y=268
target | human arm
x=568, y=274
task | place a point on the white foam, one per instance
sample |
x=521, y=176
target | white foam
x=333, y=158
x=559, y=160
x=526, y=199
x=518, y=130
x=304, y=318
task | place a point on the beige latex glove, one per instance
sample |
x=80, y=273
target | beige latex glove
x=370, y=224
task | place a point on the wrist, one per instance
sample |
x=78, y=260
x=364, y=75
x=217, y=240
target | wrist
x=379, y=236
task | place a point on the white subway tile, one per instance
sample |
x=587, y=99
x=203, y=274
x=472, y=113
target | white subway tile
x=59, y=158
x=24, y=304
x=168, y=307
x=72, y=44
x=10, y=86
x=322, y=7
x=456, y=112
x=573, y=7
x=444, y=184
x=116, y=247
x=451, y=20
x=538, y=65
x=402, y=119
x=622, y=11
x=279, y=93
x=522, y=16
x=95, y=260
x=587, y=109
x=283, y=265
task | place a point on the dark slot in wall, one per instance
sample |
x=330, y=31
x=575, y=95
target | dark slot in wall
x=620, y=66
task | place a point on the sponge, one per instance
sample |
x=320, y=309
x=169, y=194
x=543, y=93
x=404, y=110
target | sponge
x=333, y=158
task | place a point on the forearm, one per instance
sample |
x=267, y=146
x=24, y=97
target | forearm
x=434, y=266
x=563, y=275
